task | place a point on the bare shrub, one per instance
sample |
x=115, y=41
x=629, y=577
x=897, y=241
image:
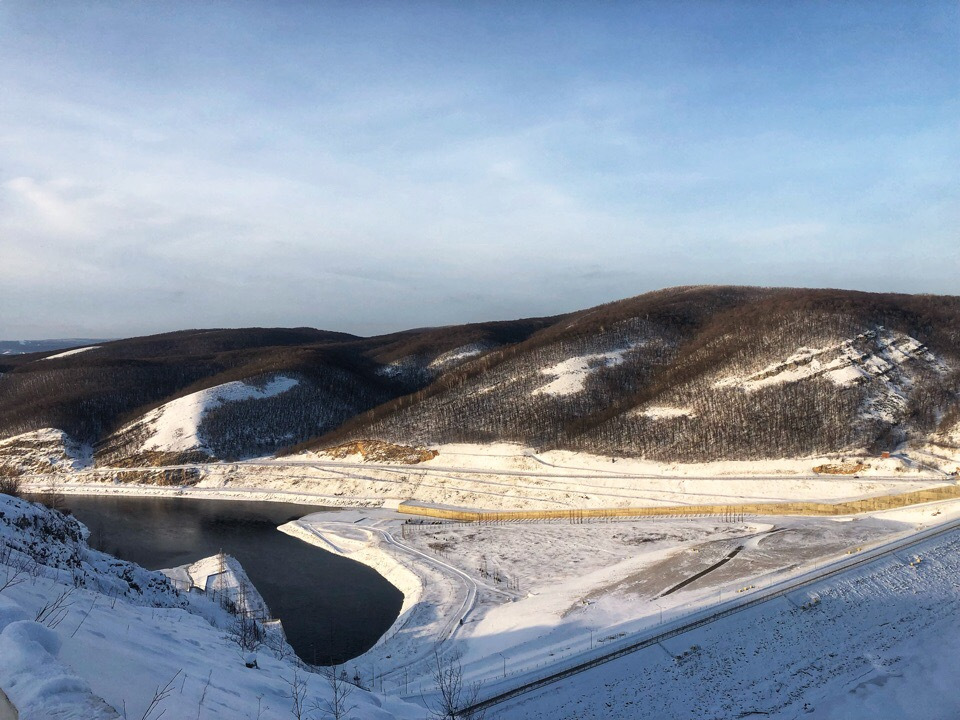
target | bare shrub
x=14, y=567
x=54, y=611
x=11, y=485
x=336, y=706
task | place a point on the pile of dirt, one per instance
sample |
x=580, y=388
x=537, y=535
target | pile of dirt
x=184, y=477
x=158, y=458
x=839, y=468
x=379, y=451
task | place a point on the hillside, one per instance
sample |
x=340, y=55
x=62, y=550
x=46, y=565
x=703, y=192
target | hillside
x=695, y=374
x=685, y=374
x=21, y=347
x=212, y=394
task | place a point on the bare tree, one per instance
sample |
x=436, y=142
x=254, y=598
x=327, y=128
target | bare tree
x=53, y=496
x=298, y=693
x=247, y=633
x=454, y=700
x=161, y=694
x=340, y=690
x=277, y=643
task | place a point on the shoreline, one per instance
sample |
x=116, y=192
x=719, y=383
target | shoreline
x=370, y=553
x=249, y=494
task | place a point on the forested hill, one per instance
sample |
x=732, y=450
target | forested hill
x=695, y=373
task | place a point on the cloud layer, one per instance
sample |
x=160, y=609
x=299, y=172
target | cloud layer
x=368, y=167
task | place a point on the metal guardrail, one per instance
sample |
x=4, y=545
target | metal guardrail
x=868, y=557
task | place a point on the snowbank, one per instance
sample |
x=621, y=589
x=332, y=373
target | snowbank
x=38, y=685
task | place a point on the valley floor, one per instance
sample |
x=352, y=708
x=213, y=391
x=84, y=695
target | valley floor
x=511, y=602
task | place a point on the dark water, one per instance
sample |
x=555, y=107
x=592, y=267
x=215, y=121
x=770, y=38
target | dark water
x=332, y=608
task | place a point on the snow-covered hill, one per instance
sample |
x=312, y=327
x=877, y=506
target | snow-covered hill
x=699, y=374
x=689, y=374
x=175, y=426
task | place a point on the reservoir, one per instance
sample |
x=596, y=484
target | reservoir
x=332, y=609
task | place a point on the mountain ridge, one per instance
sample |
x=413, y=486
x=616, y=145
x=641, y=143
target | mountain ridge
x=673, y=374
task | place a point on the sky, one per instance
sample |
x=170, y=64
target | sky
x=374, y=166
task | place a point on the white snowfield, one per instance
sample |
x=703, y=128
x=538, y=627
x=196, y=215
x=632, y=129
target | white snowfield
x=457, y=355
x=68, y=353
x=533, y=595
x=514, y=477
x=571, y=375
x=879, y=642
x=175, y=426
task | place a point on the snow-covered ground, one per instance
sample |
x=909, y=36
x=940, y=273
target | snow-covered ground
x=514, y=599
x=122, y=633
x=878, y=642
x=512, y=477
x=532, y=594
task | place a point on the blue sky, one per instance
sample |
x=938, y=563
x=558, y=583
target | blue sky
x=367, y=167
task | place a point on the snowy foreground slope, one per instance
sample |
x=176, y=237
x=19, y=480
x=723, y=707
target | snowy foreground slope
x=122, y=633
x=874, y=643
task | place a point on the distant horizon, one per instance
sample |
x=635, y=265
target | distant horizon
x=91, y=339
x=368, y=167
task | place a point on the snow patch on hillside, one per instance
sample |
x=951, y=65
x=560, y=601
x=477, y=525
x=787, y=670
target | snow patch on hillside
x=571, y=375
x=664, y=412
x=68, y=353
x=455, y=356
x=175, y=426
x=872, y=354
x=407, y=369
